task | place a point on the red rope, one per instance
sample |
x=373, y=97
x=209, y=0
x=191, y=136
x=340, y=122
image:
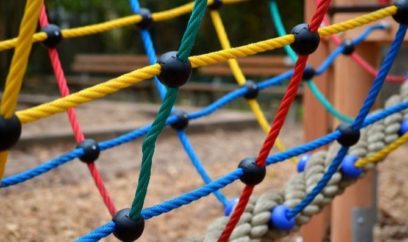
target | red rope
x=277, y=123
x=363, y=63
x=73, y=120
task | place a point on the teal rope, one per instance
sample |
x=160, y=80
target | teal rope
x=192, y=29
x=326, y=104
x=280, y=28
x=149, y=143
x=148, y=147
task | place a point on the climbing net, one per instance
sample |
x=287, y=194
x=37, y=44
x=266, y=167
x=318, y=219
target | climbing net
x=362, y=141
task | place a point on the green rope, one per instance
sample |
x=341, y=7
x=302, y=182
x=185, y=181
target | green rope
x=192, y=29
x=277, y=20
x=148, y=147
x=159, y=122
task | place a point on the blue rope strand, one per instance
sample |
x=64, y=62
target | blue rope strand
x=99, y=233
x=209, y=188
x=382, y=74
x=357, y=123
x=198, y=164
x=104, y=145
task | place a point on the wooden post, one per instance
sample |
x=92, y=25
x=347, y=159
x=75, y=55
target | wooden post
x=316, y=123
x=351, y=85
x=351, y=88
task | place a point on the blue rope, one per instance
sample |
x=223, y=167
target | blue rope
x=209, y=188
x=99, y=233
x=357, y=123
x=128, y=137
x=198, y=165
x=161, y=89
x=382, y=74
x=339, y=50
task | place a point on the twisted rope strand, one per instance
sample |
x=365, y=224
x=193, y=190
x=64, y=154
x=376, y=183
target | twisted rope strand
x=72, y=117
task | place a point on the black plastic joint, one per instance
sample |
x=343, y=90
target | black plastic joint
x=349, y=136
x=216, y=4
x=306, y=41
x=147, y=19
x=10, y=131
x=182, y=120
x=91, y=150
x=54, y=35
x=348, y=47
x=127, y=229
x=174, y=72
x=308, y=73
x=253, y=174
x=402, y=12
x=252, y=90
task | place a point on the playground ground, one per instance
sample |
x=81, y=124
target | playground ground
x=64, y=203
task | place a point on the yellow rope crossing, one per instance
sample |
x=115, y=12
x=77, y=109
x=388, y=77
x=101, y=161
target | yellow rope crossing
x=116, y=84
x=18, y=66
x=240, y=77
x=112, y=24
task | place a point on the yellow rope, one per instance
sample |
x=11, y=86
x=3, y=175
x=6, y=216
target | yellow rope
x=384, y=152
x=87, y=95
x=240, y=77
x=111, y=24
x=114, y=85
x=18, y=66
x=357, y=22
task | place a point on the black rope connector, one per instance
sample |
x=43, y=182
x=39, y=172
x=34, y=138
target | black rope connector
x=91, y=150
x=402, y=12
x=252, y=90
x=308, y=73
x=348, y=47
x=10, y=131
x=216, y=4
x=54, y=35
x=127, y=229
x=147, y=19
x=182, y=120
x=253, y=174
x=174, y=72
x=306, y=41
x=349, y=136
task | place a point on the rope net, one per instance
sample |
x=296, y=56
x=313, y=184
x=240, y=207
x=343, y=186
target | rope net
x=253, y=218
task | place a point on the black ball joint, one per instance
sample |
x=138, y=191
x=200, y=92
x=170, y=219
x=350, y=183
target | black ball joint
x=216, y=4
x=253, y=174
x=308, y=73
x=306, y=41
x=10, y=131
x=252, y=90
x=147, y=19
x=402, y=13
x=349, y=136
x=182, y=120
x=54, y=35
x=91, y=150
x=348, y=47
x=174, y=72
x=127, y=229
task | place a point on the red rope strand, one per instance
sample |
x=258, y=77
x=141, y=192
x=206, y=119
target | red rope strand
x=72, y=117
x=362, y=62
x=277, y=123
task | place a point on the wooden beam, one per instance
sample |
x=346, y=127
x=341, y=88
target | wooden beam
x=316, y=123
x=351, y=88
